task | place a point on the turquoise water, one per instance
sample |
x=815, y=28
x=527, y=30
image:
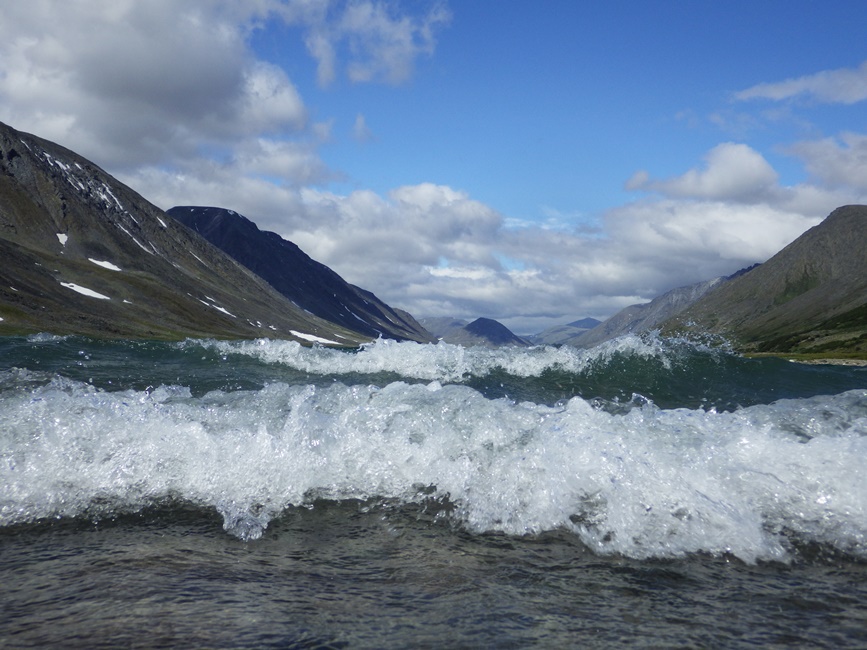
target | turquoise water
x=254, y=494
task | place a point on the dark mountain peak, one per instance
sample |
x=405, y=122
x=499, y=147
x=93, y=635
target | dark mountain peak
x=493, y=331
x=208, y=220
x=741, y=272
x=307, y=283
x=585, y=323
x=482, y=331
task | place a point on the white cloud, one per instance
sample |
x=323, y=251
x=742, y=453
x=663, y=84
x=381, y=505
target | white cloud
x=841, y=86
x=321, y=49
x=733, y=172
x=360, y=131
x=837, y=162
x=130, y=83
x=385, y=45
x=283, y=162
x=377, y=42
x=269, y=101
x=163, y=83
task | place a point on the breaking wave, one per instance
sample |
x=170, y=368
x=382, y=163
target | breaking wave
x=634, y=479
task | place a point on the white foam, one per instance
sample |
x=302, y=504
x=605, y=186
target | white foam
x=651, y=483
x=438, y=362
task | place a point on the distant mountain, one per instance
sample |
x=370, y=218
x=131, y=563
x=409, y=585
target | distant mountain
x=307, y=283
x=564, y=334
x=442, y=326
x=809, y=297
x=585, y=323
x=482, y=331
x=84, y=254
x=646, y=316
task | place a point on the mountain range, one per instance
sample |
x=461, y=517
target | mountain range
x=294, y=274
x=485, y=332
x=564, y=334
x=649, y=315
x=85, y=254
x=810, y=298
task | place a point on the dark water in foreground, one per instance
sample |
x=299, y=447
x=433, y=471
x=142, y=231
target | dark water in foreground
x=646, y=493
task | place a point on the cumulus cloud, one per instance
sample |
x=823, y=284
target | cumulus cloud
x=838, y=162
x=130, y=83
x=386, y=46
x=732, y=171
x=161, y=83
x=841, y=86
x=376, y=42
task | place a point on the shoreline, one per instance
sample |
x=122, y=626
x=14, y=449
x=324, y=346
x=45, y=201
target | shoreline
x=809, y=359
x=832, y=362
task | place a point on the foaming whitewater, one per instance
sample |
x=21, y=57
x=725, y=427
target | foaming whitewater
x=443, y=362
x=628, y=478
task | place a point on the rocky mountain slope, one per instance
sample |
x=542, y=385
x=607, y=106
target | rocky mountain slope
x=563, y=334
x=485, y=332
x=809, y=297
x=306, y=282
x=645, y=316
x=84, y=254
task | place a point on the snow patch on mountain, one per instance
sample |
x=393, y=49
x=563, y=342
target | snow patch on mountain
x=105, y=265
x=313, y=338
x=84, y=290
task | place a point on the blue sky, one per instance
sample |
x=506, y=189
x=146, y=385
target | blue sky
x=551, y=110
x=531, y=162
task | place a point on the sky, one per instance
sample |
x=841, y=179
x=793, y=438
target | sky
x=532, y=162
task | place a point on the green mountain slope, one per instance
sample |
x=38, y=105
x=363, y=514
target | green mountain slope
x=811, y=297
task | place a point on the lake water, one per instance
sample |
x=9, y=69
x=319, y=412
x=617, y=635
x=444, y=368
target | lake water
x=649, y=492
